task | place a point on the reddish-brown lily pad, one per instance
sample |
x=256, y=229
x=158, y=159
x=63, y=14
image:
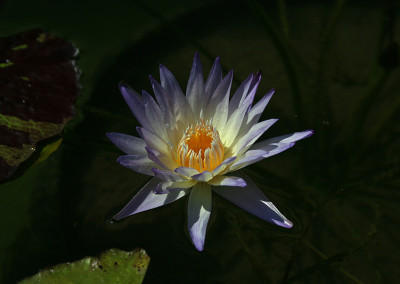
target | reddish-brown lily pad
x=38, y=88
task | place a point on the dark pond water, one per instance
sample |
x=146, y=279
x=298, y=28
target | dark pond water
x=335, y=70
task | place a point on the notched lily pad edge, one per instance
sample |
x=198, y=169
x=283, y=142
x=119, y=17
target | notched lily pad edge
x=113, y=265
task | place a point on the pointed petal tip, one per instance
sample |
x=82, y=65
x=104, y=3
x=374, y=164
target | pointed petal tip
x=310, y=132
x=123, y=86
x=197, y=241
x=163, y=69
x=121, y=215
x=269, y=95
x=116, y=217
x=121, y=160
x=241, y=183
x=127, y=92
x=286, y=223
x=304, y=134
x=198, y=245
x=199, y=211
x=122, y=83
x=196, y=60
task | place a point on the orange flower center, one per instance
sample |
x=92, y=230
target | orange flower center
x=200, y=147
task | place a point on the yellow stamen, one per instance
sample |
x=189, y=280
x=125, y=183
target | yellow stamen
x=200, y=147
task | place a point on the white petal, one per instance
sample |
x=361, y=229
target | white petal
x=138, y=163
x=199, y=211
x=154, y=141
x=213, y=80
x=135, y=103
x=251, y=136
x=288, y=138
x=223, y=166
x=168, y=186
x=195, y=88
x=240, y=94
x=253, y=156
x=253, y=114
x=269, y=148
x=217, y=108
x=146, y=199
x=203, y=176
x=227, y=181
x=165, y=102
x=127, y=143
x=183, y=111
x=257, y=110
x=253, y=200
x=249, y=157
x=161, y=160
x=154, y=116
x=167, y=175
x=253, y=88
x=186, y=171
x=229, y=133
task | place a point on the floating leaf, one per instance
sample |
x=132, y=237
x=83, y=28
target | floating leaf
x=113, y=266
x=38, y=88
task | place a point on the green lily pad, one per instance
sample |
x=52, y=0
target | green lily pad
x=38, y=88
x=113, y=266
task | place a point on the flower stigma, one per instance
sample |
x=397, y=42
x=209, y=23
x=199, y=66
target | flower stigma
x=200, y=147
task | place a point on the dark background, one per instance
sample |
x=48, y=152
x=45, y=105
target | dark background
x=334, y=65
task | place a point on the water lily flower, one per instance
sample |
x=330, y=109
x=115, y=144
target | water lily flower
x=191, y=144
